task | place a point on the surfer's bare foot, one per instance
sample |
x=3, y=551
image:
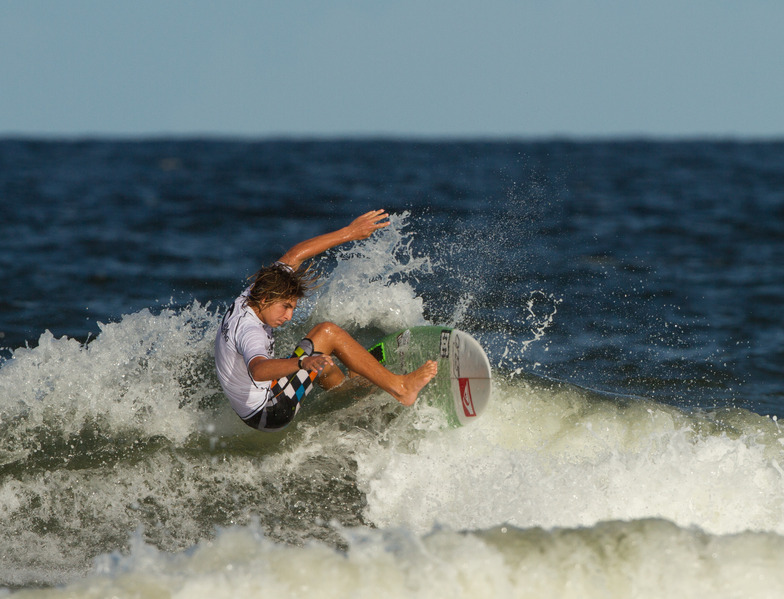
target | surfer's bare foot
x=414, y=381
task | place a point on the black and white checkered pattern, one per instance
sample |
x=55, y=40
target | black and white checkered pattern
x=286, y=394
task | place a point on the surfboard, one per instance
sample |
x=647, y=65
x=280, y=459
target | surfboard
x=461, y=389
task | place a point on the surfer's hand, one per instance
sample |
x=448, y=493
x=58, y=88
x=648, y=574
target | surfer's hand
x=317, y=363
x=364, y=226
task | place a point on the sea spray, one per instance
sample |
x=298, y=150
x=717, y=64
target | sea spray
x=372, y=285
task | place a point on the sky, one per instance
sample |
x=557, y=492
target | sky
x=402, y=68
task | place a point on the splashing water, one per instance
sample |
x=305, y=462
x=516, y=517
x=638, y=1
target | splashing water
x=131, y=433
x=373, y=284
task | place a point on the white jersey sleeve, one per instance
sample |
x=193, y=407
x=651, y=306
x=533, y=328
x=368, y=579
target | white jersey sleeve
x=242, y=337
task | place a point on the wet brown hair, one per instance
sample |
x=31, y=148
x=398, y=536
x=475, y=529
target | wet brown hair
x=279, y=282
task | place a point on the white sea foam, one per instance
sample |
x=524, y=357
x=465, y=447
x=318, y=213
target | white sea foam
x=565, y=457
x=135, y=375
x=649, y=558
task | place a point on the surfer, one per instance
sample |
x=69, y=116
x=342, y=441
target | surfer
x=266, y=391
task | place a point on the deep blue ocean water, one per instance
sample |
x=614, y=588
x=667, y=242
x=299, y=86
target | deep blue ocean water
x=611, y=282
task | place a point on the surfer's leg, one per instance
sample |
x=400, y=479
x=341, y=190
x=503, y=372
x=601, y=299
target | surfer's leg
x=330, y=377
x=329, y=338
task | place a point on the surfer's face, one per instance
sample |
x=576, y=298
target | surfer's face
x=277, y=313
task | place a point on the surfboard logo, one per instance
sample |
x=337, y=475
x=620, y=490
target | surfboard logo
x=444, y=347
x=465, y=394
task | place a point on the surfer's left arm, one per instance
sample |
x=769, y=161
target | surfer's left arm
x=360, y=228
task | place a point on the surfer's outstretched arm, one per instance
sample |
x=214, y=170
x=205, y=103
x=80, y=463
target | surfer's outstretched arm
x=360, y=228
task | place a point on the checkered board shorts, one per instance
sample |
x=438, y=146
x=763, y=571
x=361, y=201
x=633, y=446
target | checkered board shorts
x=285, y=395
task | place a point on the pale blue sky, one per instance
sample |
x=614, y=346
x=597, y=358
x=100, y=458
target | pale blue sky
x=525, y=68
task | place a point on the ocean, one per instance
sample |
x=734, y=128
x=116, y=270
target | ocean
x=627, y=293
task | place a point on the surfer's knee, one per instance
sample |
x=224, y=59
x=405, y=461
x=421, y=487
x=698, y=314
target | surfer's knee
x=330, y=377
x=325, y=329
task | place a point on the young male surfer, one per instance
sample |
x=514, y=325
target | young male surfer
x=266, y=391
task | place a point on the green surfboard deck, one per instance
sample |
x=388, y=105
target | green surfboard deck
x=461, y=389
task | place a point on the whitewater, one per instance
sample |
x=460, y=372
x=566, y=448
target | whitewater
x=125, y=473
